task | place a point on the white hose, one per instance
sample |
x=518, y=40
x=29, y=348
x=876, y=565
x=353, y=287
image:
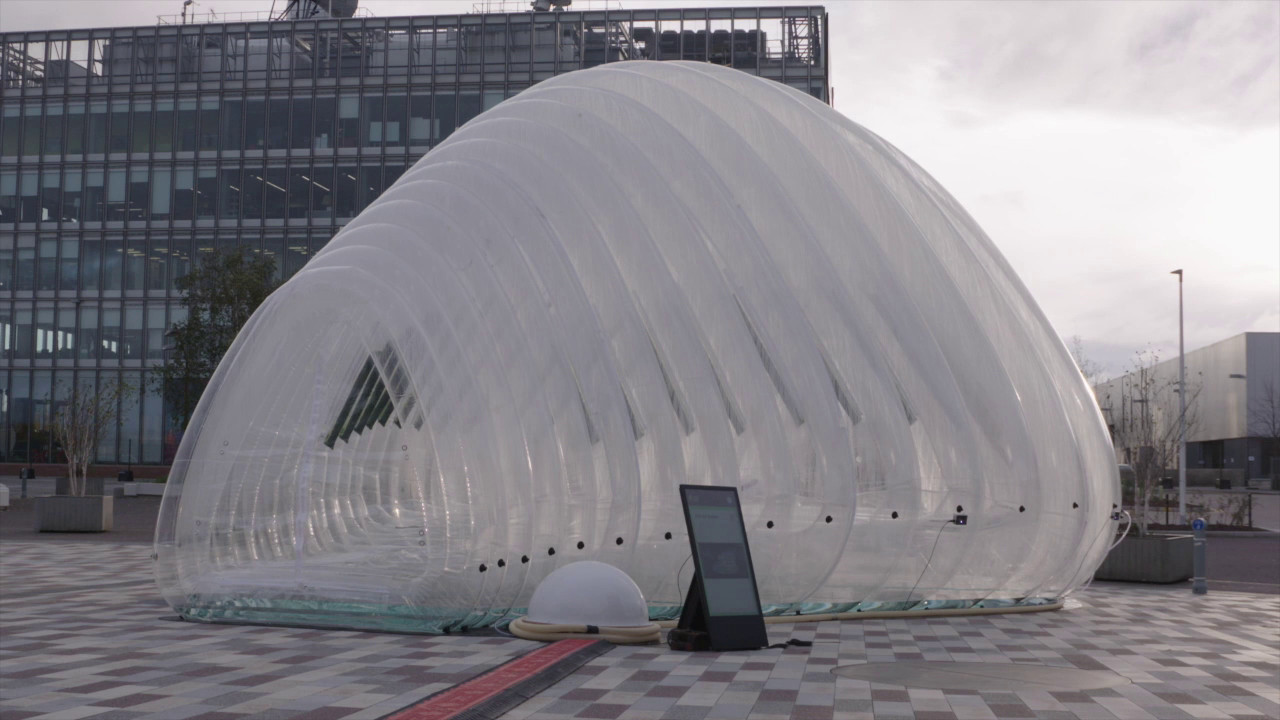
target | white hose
x=523, y=627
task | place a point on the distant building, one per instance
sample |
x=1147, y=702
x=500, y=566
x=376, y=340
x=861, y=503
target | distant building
x=1235, y=384
x=126, y=153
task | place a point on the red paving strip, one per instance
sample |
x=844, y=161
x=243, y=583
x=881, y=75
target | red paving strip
x=478, y=690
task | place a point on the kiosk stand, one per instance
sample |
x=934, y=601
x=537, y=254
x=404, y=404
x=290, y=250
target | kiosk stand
x=722, y=608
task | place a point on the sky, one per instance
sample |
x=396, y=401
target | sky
x=1100, y=144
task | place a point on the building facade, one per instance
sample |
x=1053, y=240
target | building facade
x=1233, y=385
x=128, y=153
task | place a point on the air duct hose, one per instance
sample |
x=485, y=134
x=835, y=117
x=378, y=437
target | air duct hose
x=523, y=627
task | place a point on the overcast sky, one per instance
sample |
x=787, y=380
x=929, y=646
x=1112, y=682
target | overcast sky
x=1100, y=145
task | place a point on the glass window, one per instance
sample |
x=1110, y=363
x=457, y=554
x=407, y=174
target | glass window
x=75, y=128
x=66, y=349
x=301, y=131
x=184, y=193
x=348, y=121
x=420, y=128
x=46, y=333
x=230, y=190
x=31, y=128
x=95, y=196
x=8, y=197
x=113, y=263
x=131, y=345
x=50, y=195
x=96, y=137
x=369, y=186
x=141, y=126
x=139, y=194
x=299, y=190
x=468, y=106
x=155, y=331
x=206, y=192
x=393, y=122
x=296, y=254
x=72, y=196
x=10, y=125
x=26, y=268
x=326, y=129
x=232, y=119
x=91, y=266
x=322, y=193
x=47, y=271
x=69, y=265
x=161, y=183
x=53, y=129
x=444, y=115
x=157, y=260
x=492, y=98
x=135, y=263
x=29, y=197
x=209, y=123
x=110, y=338
x=275, y=180
x=180, y=264
x=255, y=123
x=115, y=195
x=6, y=272
x=119, y=126
x=87, y=343
x=22, y=334
x=164, y=126
x=252, y=200
x=345, y=191
x=278, y=124
x=391, y=173
x=188, y=125
x=371, y=123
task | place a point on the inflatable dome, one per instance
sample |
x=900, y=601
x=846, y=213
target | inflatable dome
x=624, y=279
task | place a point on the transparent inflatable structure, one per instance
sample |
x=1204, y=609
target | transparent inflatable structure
x=624, y=279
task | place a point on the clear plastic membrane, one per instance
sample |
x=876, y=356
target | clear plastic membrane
x=624, y=279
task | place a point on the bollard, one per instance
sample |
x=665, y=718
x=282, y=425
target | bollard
x=1198, y=584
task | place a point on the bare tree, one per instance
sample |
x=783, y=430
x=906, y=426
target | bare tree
x=80, y=423
x=1091, y=370
x=1144, y=421
x=1264, y=421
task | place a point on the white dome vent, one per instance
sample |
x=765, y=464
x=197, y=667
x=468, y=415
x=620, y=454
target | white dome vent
x=589, y=593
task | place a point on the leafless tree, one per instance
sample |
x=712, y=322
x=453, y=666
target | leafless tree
x=1144, y=423
x=1264, y=421
x=1091, y=370
x=79, y=424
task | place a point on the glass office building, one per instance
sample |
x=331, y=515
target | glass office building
x=127, y=153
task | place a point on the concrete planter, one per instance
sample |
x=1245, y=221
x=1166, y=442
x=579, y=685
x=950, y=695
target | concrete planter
x=1153, y=559
x=64, y=513
x=92, y=486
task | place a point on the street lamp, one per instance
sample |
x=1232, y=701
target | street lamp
x=1182, y=411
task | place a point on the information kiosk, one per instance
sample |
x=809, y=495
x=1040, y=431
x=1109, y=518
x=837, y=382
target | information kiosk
x=722, y=608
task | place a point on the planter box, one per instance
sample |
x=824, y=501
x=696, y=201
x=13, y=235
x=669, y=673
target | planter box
x=92, y=486
x=142, y=488
x=63, y=513
x=1153, y=559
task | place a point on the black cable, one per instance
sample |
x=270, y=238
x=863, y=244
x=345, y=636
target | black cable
x=929, y=560
x=678, y=590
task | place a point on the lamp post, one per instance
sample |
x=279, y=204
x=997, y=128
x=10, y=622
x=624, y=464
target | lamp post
x=1182, y=411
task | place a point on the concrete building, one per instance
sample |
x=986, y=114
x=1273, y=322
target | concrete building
x=126, y=153
x=1234, y=392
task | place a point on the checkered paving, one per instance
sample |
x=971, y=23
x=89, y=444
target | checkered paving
x=84, y=633
x=1215, y=656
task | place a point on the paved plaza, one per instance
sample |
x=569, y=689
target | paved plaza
x=83, y=633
